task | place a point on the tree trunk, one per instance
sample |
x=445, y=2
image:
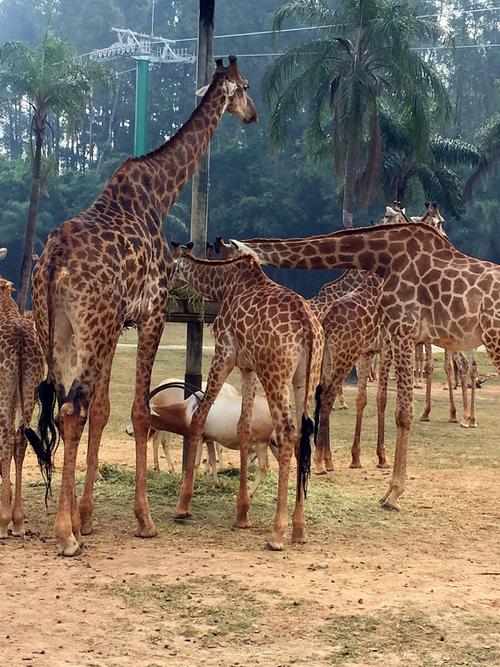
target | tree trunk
x=29, y=234
x=354, y=129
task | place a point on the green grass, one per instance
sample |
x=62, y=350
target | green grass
x=203, y=607
x=412, y=638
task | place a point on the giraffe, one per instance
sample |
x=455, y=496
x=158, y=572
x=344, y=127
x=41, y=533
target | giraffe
x=424, y=364
x=347, y=310
x=110, y=265
x=431, y=292
x=269, y=333
x=21, y=364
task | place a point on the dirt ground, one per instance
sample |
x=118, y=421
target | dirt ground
x=416, y=588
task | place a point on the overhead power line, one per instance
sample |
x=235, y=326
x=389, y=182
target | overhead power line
x=332, y=25
x=415, y=48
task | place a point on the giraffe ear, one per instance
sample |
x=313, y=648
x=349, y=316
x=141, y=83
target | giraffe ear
x=174, y=244
x=426, y=204
x=189, y=246
x=201, y=91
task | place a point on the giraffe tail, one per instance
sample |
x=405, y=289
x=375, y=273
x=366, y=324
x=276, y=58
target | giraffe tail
x=44, y=443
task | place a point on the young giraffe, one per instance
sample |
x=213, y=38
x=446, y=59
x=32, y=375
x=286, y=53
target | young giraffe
x=269, y=333
x=107, y=266
x=348, y=339
x=431, y=291
x=22, y=370
x=395, y=214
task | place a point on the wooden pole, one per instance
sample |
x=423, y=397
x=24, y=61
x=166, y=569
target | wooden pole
x=199, y=201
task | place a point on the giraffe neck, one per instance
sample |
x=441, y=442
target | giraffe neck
x=216, y=280
x=8, y=306
x=369, y=248
x=150, y=184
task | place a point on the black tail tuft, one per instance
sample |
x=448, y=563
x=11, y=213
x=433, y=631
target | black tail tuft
x=305, y=453
x=45, y=444
x=317, y=410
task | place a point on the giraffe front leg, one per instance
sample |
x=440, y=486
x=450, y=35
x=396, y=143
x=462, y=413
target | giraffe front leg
x=473, y=379
x=222, y=364
x=149, y=334
x=383, y=379
x=403, y=348
x=428, y=369
x=363, y=367
x=464, y=371
x=448, y=367
x=244, y=435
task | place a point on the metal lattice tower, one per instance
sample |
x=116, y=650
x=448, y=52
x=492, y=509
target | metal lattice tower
x=146, y=50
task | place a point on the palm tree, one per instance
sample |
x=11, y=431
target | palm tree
x=337, y=80
x=434, y=172
x=49, y=79
x=488, y=140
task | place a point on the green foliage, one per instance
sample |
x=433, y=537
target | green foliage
x=334, y=83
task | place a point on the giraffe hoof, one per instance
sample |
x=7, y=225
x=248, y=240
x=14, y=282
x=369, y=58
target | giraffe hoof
x=424, y=418
x=299, y=537
x=182, y=517
x=274, y=545
x=146, y=531
x=390, y=506
x=354, y=465
x=322, y=471
x=383, y=466
x=87, y=528
x=70, y=547
x=18, y=532
x=329, y=468
x=452, y=420
x=4, y=533
x=465, y=424
x=243, y=524
x=473, y=425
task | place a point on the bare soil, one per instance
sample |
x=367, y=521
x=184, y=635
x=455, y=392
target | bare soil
x=416, y=588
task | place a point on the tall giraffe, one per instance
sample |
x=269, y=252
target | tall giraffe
x=424, y=364
x=21, y=366
x=431, y=292
x=108, y=265
x=269, y=333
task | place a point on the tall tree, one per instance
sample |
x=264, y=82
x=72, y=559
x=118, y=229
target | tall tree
x=49, y=79
x=362, y=54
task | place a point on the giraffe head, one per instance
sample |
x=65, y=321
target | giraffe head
x=6, y=289
x=433, y=217
x=395, y=214
x=178, y=251
x=223, y=249
x=235, y=87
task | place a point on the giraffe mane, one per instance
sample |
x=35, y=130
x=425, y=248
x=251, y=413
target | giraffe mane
x=223, y=262
x=346, y=232
x=179, y=135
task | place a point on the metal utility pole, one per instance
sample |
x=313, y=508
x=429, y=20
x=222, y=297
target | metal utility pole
x=199, y=201
x=141, y=107
x=145, y=50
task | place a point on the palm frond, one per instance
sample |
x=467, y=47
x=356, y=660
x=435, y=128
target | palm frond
x=310, y=12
